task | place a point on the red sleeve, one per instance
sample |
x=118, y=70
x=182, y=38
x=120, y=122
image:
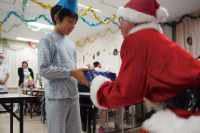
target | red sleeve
x=129, y=88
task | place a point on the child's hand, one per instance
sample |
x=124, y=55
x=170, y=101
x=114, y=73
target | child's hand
x=80, y=77
x=95, y=75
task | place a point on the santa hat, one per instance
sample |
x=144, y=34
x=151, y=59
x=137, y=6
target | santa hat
x=142, y=11
x=69, y=4
x=26, y=61
x=1, y=54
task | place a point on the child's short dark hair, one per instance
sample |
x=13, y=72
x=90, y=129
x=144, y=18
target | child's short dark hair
x=62, y=12
x=96, y=64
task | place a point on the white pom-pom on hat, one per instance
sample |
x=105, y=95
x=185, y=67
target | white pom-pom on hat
x=161, y=14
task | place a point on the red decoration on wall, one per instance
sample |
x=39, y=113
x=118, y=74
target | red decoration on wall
x=32, y=46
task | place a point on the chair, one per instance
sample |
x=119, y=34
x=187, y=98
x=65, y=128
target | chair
x=43, y=112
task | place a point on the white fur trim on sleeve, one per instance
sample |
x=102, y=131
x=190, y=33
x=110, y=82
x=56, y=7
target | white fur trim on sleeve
x=165, y=121
x=96, y=84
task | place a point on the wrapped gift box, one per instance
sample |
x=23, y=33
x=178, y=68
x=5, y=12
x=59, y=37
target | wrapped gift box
x=90, y=75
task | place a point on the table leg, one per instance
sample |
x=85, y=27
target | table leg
x=21, y=117
x=93, y=119
x=118, y=116
x=25, y=109
x=133, y=119
x=142, y=112
x=107, y=112
x=31, y=108
x=128, y=116
x=122, y=120
x=11, y=118
x=41, y=113
x=44, y=114
x=25, y=105
x=87, y=121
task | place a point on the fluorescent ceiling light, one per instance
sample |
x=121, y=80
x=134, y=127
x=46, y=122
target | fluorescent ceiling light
x=27, y=40
x=83, y=6
x=88, y=7
x=41, y=25
x=96, y=10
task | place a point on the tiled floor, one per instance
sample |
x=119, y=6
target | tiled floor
x=35, y=126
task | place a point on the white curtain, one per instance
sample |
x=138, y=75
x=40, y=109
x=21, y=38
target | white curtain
x=189, y=28
x=167, y=31
x=14, y=58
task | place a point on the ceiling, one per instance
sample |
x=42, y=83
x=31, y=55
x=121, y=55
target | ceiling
x=176, y=9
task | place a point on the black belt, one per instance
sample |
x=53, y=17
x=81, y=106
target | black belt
x=187, y=99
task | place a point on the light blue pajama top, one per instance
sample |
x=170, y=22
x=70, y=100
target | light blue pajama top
x=56, y=56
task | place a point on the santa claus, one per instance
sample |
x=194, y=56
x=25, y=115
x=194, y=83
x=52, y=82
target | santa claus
x=154, y=69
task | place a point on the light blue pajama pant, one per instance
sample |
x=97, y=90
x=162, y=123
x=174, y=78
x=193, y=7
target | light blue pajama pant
x=63, y=115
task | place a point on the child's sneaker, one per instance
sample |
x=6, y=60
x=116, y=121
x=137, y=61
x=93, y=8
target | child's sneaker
x=101, y=130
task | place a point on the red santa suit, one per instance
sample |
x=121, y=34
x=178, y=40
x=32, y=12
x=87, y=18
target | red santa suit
x=153, y=69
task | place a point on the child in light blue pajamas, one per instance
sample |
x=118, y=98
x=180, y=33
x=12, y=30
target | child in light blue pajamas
x=57, y=63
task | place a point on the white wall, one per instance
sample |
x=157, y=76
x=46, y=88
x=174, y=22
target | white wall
x=167, y=31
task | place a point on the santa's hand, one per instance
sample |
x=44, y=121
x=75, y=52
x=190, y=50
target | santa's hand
x=80, y=77
x=0, y=82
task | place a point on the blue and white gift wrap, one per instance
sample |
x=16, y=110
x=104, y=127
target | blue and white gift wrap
x=89, y=75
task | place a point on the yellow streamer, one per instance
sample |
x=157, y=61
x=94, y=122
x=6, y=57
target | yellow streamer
x=1, y=25
x=41, y=4
x=48, y=6
x=87, y=39
x=89, y=10
x=95, y=16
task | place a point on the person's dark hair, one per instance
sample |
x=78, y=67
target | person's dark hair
x=198, y=57
x=96, y=64
x=24, y=62
x=62, y=12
